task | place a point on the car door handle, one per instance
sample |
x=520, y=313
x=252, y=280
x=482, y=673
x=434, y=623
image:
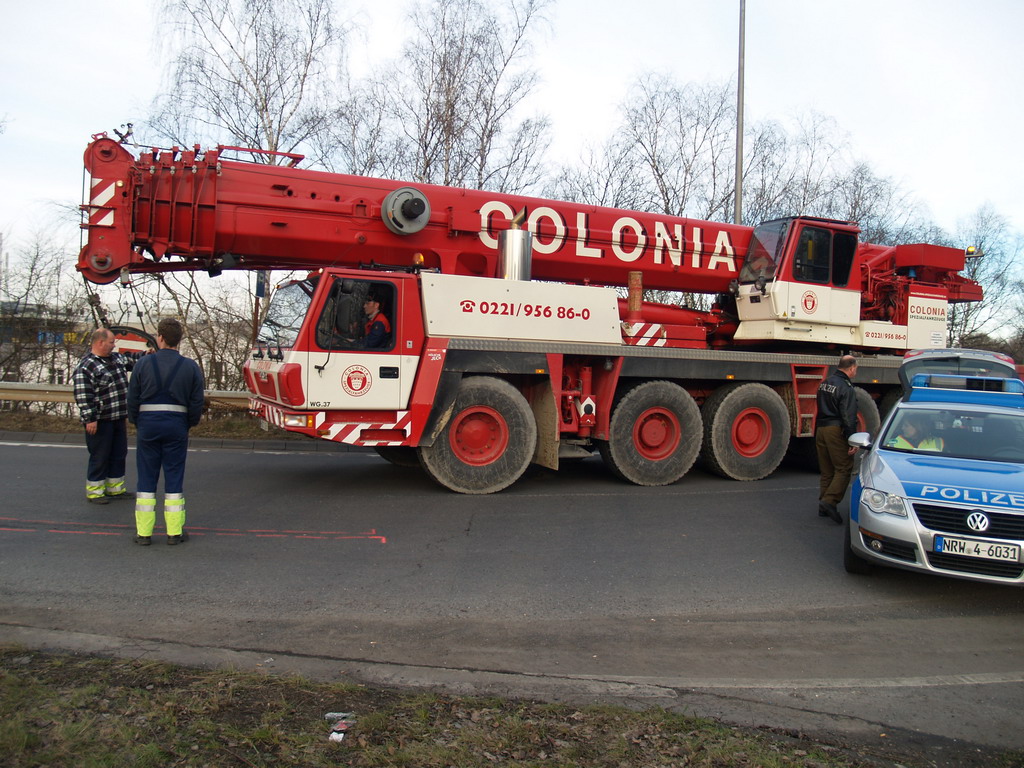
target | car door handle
x=388, y=372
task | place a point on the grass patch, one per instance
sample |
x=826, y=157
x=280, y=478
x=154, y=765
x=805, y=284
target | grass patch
x=86, y=711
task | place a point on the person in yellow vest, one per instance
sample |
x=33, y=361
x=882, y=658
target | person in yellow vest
x=916, y=434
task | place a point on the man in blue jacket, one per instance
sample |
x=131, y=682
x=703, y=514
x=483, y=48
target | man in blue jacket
x=165, y=400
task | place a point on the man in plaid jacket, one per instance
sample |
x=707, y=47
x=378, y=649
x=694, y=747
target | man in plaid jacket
x=101, y=392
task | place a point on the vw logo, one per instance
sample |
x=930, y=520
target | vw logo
x=977, y=521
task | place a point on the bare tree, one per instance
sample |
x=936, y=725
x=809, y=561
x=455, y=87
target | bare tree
x=361, y=139
x=43, y=314
x=996, y=269
x=449, y=111
x=816, y=150
x=768, y=172
x=218, y=313
x=218, y=326
x=886, y=213
x=256, y=73
x=607, y=175
x=683, y=138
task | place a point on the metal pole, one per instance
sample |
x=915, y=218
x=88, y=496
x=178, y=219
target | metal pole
x=738, y=213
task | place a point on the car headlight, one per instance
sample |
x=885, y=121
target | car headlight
x=883, y=503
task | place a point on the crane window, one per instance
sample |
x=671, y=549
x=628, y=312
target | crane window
x=813, y=256
x=343, y=323
x=823, y=256
x=286, y=313
x=766, y=248
x=844, y=248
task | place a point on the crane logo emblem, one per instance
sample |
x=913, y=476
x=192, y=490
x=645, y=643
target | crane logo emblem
x=356, y=381
x=809, y=301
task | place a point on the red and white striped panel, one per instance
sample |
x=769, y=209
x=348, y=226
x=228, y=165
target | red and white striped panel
x=102, y=193
x=643, y=334
x=348, y=432
x=340, y=431
x=266, y=411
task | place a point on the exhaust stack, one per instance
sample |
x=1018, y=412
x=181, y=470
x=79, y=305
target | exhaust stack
x=515, y=250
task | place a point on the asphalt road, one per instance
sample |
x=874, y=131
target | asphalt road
x=719, y=598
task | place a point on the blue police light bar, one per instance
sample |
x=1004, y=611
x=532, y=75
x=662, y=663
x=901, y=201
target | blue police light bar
x=978, y=390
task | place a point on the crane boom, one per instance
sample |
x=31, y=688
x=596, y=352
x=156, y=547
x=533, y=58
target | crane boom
x=189, y=209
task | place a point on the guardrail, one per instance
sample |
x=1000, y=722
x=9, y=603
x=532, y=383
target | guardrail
x=21, y=391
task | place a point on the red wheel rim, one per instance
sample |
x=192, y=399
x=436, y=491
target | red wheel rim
x=656, y=434
x=478, y=435
x=751, y=432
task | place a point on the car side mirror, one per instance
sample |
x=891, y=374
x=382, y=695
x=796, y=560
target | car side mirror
x=859, y=440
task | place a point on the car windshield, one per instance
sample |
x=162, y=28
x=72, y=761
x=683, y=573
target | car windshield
x=286, y=312
x=960, y=433
x=766, y=245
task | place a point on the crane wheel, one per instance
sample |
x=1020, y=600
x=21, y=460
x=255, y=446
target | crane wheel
x=802, y=454
x=888, y=402
x=654, y=434
x=489, y=439
x=868, y=419
x=399, y=455
x=746, y=431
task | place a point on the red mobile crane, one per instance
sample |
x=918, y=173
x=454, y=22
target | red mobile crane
x=494, y=359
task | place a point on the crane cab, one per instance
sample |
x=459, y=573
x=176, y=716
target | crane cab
x=807, y=279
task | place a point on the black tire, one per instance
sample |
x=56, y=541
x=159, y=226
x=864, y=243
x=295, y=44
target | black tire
x=802, y=454
x=488, y=441
x=654, y=435
x=852, y=562
x=746, y=431
x=868, y=419
x=888, y=402
x=399, y=455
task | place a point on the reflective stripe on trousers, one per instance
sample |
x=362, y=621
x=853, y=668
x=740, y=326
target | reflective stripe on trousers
x=174, y=513
x=145, y=513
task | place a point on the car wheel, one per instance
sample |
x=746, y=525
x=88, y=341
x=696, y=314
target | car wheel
x=852, y=562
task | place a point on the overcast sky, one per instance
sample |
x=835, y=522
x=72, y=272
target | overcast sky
x=928, y=91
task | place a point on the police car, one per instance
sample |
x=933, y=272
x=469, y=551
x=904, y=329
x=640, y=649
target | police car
x=942, y=488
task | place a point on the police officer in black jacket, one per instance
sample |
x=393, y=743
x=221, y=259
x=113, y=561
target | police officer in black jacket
x=837, y=420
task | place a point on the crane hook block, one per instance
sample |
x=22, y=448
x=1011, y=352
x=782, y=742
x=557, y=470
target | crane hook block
x=406, y=211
